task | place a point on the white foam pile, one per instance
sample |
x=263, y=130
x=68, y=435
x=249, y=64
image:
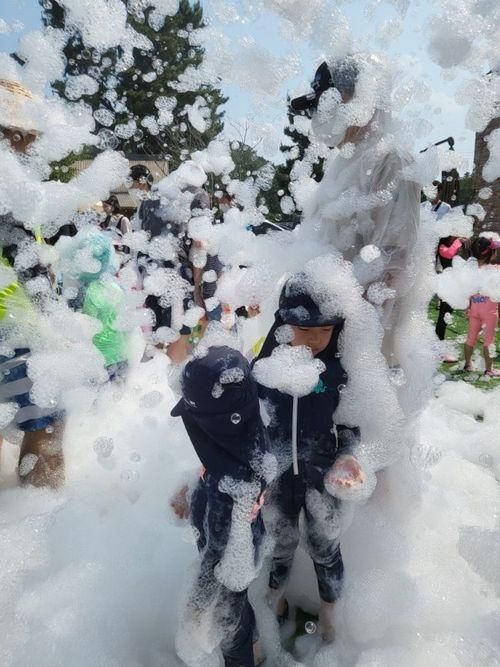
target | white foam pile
x=92, y=575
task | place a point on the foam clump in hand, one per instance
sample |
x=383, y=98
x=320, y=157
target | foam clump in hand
x=290, y=369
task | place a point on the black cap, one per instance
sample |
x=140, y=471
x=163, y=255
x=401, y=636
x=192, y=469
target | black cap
x=342, y=75
x=298, y=308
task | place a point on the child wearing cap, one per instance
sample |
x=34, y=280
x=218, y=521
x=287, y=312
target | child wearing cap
x=221, y=413
x=483, y=312
x=325, y=453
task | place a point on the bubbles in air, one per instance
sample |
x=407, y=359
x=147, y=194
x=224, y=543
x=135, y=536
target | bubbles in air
x=310, y=627
x=104, y=117
x=217, y=390
x=104, y=446
x=129, y=475
x=107, y=139
x=151, y=399
x=398, y=376
x=369, y=253
x=235, y=418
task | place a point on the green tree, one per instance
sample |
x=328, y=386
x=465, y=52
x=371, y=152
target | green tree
x=298, y=148
x=466, y=189
x=139, y=109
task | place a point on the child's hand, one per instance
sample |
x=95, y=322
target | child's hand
x=345, y=473
x=253, y=311
x=180, y=504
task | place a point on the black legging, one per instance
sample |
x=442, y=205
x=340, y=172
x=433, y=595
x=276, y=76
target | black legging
x=444, y=308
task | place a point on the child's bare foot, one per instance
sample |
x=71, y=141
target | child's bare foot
x=258, y=653
x=278, y=602
x=325, y=622
x=345, y=473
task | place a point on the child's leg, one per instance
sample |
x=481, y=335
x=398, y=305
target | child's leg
x=285, y=505
x=490, y=323
x=287, y=539
x=322, y=519
x=475, y=324
x=468, y=350
x=210, y=603
x=488, y=362
x=237, y=614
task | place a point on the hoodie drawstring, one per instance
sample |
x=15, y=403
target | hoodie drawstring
x=295, y=458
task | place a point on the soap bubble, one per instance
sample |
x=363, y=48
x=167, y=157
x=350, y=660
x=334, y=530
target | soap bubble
x=107, y=139
x=151, y=399
x=104, y=446
x=310, y=627
x=217, y=390
x=129, y=475
x=235, y=418
x=369, y=253
x=397, y=376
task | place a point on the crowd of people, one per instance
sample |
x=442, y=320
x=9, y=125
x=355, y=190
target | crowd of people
x=259, y=473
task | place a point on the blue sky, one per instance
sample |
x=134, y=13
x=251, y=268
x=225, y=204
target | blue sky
x=408, y=51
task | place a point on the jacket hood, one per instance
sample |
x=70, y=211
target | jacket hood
x=221, y=412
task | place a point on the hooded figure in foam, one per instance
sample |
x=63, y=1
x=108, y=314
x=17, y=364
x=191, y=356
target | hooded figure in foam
x=88, y=262
x=220, y=410
x=307, y=424
x=364, y=198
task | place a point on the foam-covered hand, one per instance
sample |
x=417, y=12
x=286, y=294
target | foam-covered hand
x=345, y=473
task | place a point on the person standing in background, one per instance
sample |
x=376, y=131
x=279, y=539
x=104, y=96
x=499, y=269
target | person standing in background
x=41, y=459
x=448, y=247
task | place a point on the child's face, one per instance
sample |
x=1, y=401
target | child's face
x=316, y=338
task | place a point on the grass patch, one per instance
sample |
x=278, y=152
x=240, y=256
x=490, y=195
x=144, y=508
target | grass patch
x=457, y=332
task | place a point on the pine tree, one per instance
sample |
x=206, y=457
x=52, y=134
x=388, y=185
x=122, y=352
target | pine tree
x=296, y=149
x=139, y=110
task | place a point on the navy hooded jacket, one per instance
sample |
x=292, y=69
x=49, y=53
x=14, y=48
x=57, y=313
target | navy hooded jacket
x=221, y=412
x=320, y=440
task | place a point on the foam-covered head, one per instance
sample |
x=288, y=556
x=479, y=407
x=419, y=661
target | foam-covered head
x=219, y=382
x=343, y=78
x=90, y=254
x=297, y=306
x=484, y=248
x=359, y=86
x=140, y=175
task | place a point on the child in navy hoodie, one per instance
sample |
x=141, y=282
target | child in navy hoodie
x=325, y=453
x=220, y=410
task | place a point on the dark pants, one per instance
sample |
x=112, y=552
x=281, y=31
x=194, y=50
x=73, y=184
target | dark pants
x=444, y=308
x=211, y=516
x=163, y=315
x=291, y=495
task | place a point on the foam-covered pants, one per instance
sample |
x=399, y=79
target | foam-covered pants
x=290, y=496
x=211, y=513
